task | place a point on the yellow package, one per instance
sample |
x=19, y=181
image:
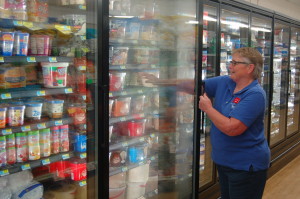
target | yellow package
x=12, y=76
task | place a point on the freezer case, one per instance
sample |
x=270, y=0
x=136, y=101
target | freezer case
x=46, y=104
x=151, y=98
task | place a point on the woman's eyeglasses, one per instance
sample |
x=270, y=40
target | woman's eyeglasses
x=238, y=62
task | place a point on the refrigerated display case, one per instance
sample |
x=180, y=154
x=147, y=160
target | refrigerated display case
x=46, y=103
x=151, y=98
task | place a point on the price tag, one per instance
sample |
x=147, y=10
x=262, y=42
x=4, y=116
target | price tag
x=6, y=96
x=31, y=59
x=46, y=161
x=1, y=59
x=110, y=95
x=135, y=41
x=82, y=183
x=41, y=93
x=6, y=131
x=82, y=68
x=68, y=90
x=124, y=144
x=4, y=172
x=122, y=119
x=25, y=167
x=140, y=91
x=83, y=155
x=142, y=139
x=52, y=59
x=82, y=7
x=84, y=126
x=26, y=128
x=152, y=135
x=84, y=97
x=123, y=93
x=63, y=29
x=83, y=37
x=65, y=156
x=141, y=163
x=28, y=24
x=41, y=126
x=18, y=23
x=152, y=158
x=58, y=123
x=122, y=67
x=153, y=66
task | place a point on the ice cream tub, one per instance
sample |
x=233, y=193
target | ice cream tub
x=21, y=44
x=16, y=115
x=7, y=43
x=55, y=108
x=55, y=74
x=33, y=110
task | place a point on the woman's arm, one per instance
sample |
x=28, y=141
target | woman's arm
x=229, y=126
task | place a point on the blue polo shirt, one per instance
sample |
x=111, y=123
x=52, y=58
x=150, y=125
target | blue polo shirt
x=248, y=106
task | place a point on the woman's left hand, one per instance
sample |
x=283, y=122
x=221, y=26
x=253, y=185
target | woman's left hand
x=204, y=102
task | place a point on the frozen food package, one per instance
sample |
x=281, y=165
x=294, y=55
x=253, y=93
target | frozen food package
x=38, y=10
x=31, y=74
x=137, y=104
x=133, y=29
x=141, y=55
x=148, y=31
x=7, y=43
x=121, y=106
x=21, y=44
x=117, y=28
x=18, y=180
x=143, y=80
x=3, y=158
x=19, y=11
x=55, y=74
x=12, y=76
x=115, y=7
x=118, y=55
x=117, y=81
x=33, y=190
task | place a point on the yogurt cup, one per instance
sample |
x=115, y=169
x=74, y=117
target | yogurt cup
x=55, y=74
x=55, y=108
x=16, y=115
x=33, y=110
x=3, y=117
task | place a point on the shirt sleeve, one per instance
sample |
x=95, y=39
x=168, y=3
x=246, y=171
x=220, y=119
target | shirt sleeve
x=249, y=108
x=211, y=84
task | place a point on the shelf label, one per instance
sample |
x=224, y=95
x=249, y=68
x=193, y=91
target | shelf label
x=152, y=158
x=26, y=128
x=31, y=59
x=82, y=68
x=65, y=156
x=125, y=144
x=140, y=91
x=122, y=67
x=25, y=167
x=123, y=93
x=41, y=93
x=58, y=123
x=124, y=169
x=52, y=59
x=152, y=135
x=82, y=183
x=84, y=126
x=83, y=37
x=84, y=97
x=46, y=161
x=83, y=155
x=142, y=139
x=63, y=29
x=41, y=126
x=6, y=131
x=110, y=94
x=6, y=96
x=68, y=90
x=1, y=59
x=28, y=24
x=82, y=7
x=4, y=172
x=18, y=23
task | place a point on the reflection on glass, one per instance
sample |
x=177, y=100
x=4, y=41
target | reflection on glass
x=280, y=83
x=261, y=35
x=293, y=97
x=234, y=34
x=208, y=70
x=151, y=70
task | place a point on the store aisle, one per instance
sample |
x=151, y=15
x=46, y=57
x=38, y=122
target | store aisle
x=285, y=183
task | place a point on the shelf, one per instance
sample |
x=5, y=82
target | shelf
x=132, y=141
x=19, y=93
x=132, y=117
x=133, y=42
x=116, y=170
x=132, y=91
x=134, y=67
x=36, y=126
x=34, y=59
x=33, y=164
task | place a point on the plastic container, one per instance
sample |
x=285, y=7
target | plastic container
x=137, y=104
x=40, y=45
x=137, y=153
x=55, y=74
x=22, y=147
x=33, y=110
x=136, y=127
x=11, y=149
x=117, y=28
x=45, y=142
x=64, y=143
x=16, y=115
x=116, y=81
x=78, y=112
x=117, y=181
x=55, y=139
x=121, y=106
x=55, y=108
x=80, y=143
x=118, y=55
x=111, y=102
x=135, y=189
x=7, y=43
x=34, y=145
x=118, y=157
x=21, y=44
x=3, y=157
x=138, y=174
x=3, y=117
x=117, y=193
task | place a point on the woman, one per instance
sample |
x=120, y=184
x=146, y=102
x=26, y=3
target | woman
x=239, y=147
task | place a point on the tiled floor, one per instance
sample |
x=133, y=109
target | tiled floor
x=285, y=184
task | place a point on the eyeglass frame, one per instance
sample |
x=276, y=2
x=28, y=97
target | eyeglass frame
x=234, y=63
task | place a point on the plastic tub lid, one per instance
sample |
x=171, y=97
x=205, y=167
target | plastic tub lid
x=17, y=107
x=55, y=101
x=34, y=104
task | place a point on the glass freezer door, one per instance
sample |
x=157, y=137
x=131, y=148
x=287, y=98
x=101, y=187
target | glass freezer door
x=151, y=98
x=293, y=92
x=280, y=83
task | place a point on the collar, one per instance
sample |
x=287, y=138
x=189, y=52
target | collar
x=231, y=85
